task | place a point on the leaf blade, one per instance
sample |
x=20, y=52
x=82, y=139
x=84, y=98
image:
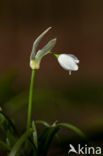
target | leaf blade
x=35, y=136
x=19, y=143
x=72, y=127
x=4, y=146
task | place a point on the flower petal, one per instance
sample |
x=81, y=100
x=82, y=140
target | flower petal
x=68, y=62
x=75, y=58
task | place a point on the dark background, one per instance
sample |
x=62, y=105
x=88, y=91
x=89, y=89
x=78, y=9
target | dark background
x=78, y=27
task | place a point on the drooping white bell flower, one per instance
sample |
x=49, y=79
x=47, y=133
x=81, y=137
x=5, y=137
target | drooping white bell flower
x=36, y=57
x=68, y=62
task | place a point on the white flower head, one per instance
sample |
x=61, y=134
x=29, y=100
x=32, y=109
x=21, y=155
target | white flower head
x=68, y=62
x=36, y=57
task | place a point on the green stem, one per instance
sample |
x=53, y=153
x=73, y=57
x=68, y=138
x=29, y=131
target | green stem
x=56, y=55
x=30, y=99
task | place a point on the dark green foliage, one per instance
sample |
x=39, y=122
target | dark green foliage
x=16, y=143
x=30, y=141
x=9, y=131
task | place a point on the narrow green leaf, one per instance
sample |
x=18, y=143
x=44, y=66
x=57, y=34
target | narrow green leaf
x=7, y=124
x=46, y=139
x=42, y=122
x=35, y=136
x=20, y=142
x=72, y=127
x=8, y=129
x=49, y=133
x=4, y=146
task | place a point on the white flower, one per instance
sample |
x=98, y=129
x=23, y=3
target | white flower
x=68, y=62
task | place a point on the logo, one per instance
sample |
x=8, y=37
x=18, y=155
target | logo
x=84, y=149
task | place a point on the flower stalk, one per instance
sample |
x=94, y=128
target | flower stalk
x=30, y=98
x=35, y=59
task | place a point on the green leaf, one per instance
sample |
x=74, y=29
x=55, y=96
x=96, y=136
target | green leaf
x=8, y=129
x=72, y=127
x=4, y=146
x=20, y=142
x=7, y=124
x=35, y=136
x=49, y=133
x=46, y=139
x=42, y=122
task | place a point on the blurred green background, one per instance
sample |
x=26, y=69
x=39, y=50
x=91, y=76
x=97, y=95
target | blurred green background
x=78, y=26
